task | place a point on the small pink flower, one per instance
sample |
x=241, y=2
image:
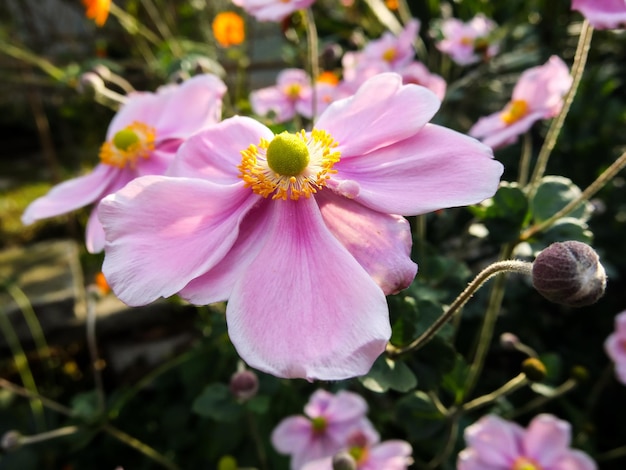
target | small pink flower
x=602, y=14
x=615, y=346
x=369, y=454
x=291, y=95
x=272, y=10
x=537, y=95
x=141, y=140
x=330, y=420
x=497, y=444
x=467, y=43
x=301, y=232
x=417, y=73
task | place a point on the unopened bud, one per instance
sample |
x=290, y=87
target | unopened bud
x=102, y=70
x=579, y=373
x=11, y=440
x=534, y=369
x=509, y=341
x=244, y=384
x=344, y=461
x=90, y=83
x=569, y=273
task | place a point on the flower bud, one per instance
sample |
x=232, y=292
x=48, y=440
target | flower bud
x=534, y=369
x=569, y=273
x=102, y=70
x=579, y=373
x=344, y=461
x=509, y=341
x=10, y=441
x=90, y=83
x=244, y=384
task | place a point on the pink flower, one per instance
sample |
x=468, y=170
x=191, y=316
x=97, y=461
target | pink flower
x=496, y=444
x=369, y=454
x=329, y=421
x=272, y=10
x=298, y=231
x=602, y=14
x=467, y=43
x=141, y=140
x=291, y=95
x=615, y=346
x=537, y=95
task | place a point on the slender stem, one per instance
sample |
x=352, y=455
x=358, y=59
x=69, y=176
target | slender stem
x=163, y=28
x=512, y=385
x=92, y=346
x=313, y=52
x=606, y=176
x=48, y=403
x=524, y=164
x=488, y=326
x=140, y=446
x=437, y=402
x=447, y=449
x=580, y=59
x=132, y=25
x=499, y=267
x=541, y=400
x=256, y=437
x=611, y=454
x=33, y=59
x=45, y=436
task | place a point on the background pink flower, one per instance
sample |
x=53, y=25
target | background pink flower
x=537, y=95
x=468, y=43
x=602, y=14
x=291, y=94
x=615, y=346
x=272, y=10
x=497, y=444
x=141, y=140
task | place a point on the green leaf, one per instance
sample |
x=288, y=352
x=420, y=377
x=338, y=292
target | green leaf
x=419, y=416
x=85, y=407
x=553, y=194
x=454, y=380
x=259, y=404
x=389, y=374
x=216, y=402
x=563, y=230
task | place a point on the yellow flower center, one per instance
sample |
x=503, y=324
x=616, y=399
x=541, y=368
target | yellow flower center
x=319, y=425
x=293, y=91
x=523, y=463
x=514, y=111
x=128, y=146
x=359, y=453
x=290, y=166
x=389, y=55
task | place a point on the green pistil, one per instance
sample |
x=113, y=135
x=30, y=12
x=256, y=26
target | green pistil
x=124, y=139
x=318, y=424
x=357, y=453
x=287, y=154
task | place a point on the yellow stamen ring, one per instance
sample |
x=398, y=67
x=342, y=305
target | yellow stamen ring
x=281, y=181
x=128, y=145
x=514, y=111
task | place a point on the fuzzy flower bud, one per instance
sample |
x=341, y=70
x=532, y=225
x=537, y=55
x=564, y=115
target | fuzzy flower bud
x=569, y=273
x=90, y=83
x=534, y=369
x=10, y=441
x=344, y=461
x=244, y=384
x=509, y=341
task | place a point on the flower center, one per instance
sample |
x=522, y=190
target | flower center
x=291, y=166
x=389, y=55
x=360, y=454
x=523, y=463
x=319, y=425
x=514, y=111
x=293, y=91
x=128, y=145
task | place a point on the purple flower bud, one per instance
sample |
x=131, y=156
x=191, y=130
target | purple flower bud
x=90, y=82
x=244, y=384
x=569, y=273
x=344, y=461
x=509, y=341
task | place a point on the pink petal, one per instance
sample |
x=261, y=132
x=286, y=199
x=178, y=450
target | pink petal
x=382, y=112
x=575, y=460
x=435, y=169
x=160, y=158
x=214, y=153
x=325, y=463
x=389, y=455
x=162, y=232
x=469, y=459
x=346, y=406
x=292, y=435
x=495, y=441
x=544, y=86
x=305, y=307
x=381, y=243
x=72, y=194
x=546, y=439
x=94, y=233
x=272, y=99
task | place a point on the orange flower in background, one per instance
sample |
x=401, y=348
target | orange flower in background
x=97, y=10
x=393, y=5
x=228, y=29
x=101, y=283
x=328, y=77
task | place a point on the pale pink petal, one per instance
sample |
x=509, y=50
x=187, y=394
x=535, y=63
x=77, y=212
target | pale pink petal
x=319, y=402
x=381, y=243
x=495, y=441
x=469, y=459
x=361, y=123
x=543, y=87
x=292, y=435
x=325, y=463
x=389, y=455
x=504, y=134
x=272, y=10
x=162, y=232
x=546, y=439
x=160, y=158
x=620, y=324
x=72, y=194
x=305, y=290
x=272, y=99
x=215, y=152
x=434, y=169
x=575, y=460
x=602, y=14
x=94, y=233
x=217, y=283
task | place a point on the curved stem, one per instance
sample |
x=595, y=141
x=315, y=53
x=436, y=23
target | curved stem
x=512, y=385
x=45, y=436
x=499, y=267
x=140, y=446
x=23, y=303
x=580, y=59
x=96, y=362
x=562, y=389
x=524, y=164
x=24, y=392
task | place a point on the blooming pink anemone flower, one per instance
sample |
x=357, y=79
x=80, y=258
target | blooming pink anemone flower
x=369, y=454
x=301, y=232
x=291, y=94
x=468, y=43
x=272, y=10
x=602, y=14
x=329, y=422
x=141, y=140
x=537, y=95
x=615, y=346
x=497, y=444
x=396, y=51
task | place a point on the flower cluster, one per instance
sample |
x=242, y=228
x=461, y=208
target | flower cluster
x=468, y=43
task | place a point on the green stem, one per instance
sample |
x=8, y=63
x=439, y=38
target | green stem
x=448, y=447
x=33, y=59
x=96, y=363
x=611, y=454
x=541, y=400
x=524, y=164
x=578, y=67
x=132, y=25
x=140, y=446
x=164, y=30
x=512, y=385
x=34, y=396
x=499, y=267
x=313, y=52
x=45, y=436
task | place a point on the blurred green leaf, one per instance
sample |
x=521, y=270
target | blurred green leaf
x=216, y=402
x=85, y=407
x=554, y=193
x=388, y=374
x=419, y=416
